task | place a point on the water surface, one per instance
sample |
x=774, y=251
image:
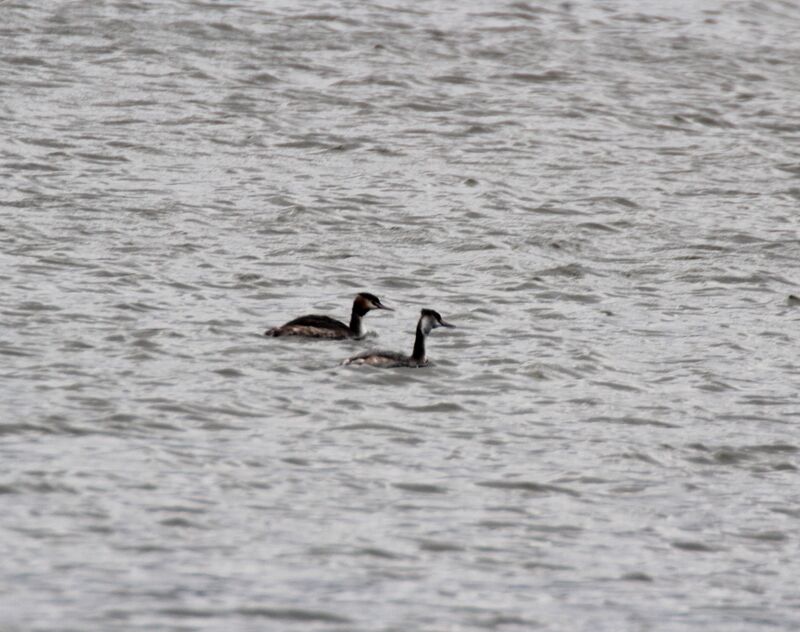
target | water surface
x=601, y=195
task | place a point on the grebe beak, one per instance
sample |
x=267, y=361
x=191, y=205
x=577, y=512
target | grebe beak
x=382, y=306
x=444, y=324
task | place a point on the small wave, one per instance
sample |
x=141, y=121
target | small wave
x=383, y=554
x=766, y=536
x=571, y=270
x=636, y=576
x=597, y=226
x=421, y=488
x=292, y=614
x=453, y=79
x=31, y=166
x=529, y=486
x=438, y=546
x=632, y=421
x=23, y=60
x=136, y=306
x=262, y=78
x=371, y=426
x=229, y=372
x=441, y=407
x=431, y=106
x=181, y=523
x=695, y=547
x=544, y=77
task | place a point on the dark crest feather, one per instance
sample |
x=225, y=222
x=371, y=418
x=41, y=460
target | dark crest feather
x=432, y=313
x=370, y=297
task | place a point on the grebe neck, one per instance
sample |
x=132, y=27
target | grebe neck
x=419, y=346
x=356, y=325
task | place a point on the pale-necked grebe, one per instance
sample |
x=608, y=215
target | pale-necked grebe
x=314, y=326
x=428, y=320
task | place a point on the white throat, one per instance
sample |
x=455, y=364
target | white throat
x=361, y=331
x=428, y=323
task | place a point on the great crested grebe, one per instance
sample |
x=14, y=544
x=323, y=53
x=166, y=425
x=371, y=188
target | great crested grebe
x=428, y=320
x=314, y=326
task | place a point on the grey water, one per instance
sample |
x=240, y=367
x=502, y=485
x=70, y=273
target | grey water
x=602, y=196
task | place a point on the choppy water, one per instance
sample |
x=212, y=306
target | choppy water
x=603, y=196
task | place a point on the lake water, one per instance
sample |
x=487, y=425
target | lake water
x=602, y=196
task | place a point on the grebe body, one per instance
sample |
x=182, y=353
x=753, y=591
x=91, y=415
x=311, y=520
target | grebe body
x=428, y=321
x=315, y=326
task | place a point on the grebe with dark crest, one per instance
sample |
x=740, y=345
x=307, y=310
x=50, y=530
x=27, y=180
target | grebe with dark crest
x=314, y=326
x=428, y=321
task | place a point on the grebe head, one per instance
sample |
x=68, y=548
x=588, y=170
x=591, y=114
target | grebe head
x=366, y=302
x=430, y=319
